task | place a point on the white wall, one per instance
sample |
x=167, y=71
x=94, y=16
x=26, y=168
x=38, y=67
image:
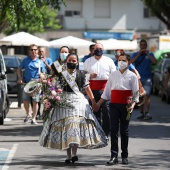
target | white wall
x=125, y=14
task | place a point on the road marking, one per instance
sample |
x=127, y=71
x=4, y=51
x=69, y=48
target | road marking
x=7, y=119
x=10, y=156
x=14, y=105
x=3, y=155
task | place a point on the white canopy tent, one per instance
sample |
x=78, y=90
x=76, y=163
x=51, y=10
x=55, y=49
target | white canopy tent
x=23, y=39
x=112, y=44
x=81, y=45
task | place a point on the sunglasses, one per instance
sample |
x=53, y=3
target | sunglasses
x=33, y=49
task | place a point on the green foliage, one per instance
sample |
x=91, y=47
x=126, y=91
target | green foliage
x=160, y=8
x=16, y=13
x=49, y=22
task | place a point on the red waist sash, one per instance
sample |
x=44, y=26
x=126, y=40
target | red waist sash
x=120, y=96
x=97, y=84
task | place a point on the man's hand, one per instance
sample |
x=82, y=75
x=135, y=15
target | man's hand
x=93, y=75
x=19, y=81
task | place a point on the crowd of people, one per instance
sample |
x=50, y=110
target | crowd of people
x=92, y=104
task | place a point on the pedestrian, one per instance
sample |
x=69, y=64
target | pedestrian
x=32, y=66
x=99, y=67
x=46, y=60
x=64, y=51
x=47, y=64
x=91, y=49
x=131, y=67
x=71, y=125
x=121, y=84
x=143, y=61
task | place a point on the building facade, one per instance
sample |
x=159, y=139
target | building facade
x=82, y=18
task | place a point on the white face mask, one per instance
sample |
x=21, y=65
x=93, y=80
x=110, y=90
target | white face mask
x=122, y=64
x=63, y=56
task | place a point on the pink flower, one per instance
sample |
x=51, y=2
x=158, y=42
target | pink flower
x=59, y=90
x=47, y=105
x=51, y=97
x=49, y=83
x=53, y=92
x=128, y=101
x=58, y=98
x=45, y=81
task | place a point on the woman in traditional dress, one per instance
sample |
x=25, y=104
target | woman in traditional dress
x=72, y=125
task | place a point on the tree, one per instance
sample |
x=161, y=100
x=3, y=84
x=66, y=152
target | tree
x=30, y=24
x=160, y=8
x=14, y=13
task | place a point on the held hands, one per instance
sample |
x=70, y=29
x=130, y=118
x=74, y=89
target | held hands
x=95, y=106
x=143, y=51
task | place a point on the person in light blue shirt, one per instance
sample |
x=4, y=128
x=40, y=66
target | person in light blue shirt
x=143, y=60
x=32, y=67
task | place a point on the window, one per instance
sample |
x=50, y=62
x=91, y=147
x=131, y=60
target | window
x=73, y=8
x=147, y=13
x=72, y=13
x=102, y=8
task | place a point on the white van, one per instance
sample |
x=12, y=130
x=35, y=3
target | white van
x=4, y=100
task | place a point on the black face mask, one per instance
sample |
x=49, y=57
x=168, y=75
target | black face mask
x=98, y=52
x=71, y=65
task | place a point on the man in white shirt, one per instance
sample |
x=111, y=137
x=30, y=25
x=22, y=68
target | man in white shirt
x=100, y=67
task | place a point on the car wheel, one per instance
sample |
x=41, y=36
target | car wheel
x=168, y=99
x=2, y=118
x=155, y=91
x=6, y=107
x=163, y=97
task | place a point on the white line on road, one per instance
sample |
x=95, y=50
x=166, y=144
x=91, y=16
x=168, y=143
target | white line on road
x=10, y=156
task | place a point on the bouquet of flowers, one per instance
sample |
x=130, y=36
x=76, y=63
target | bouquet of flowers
x=130, y=100
x=52, y=95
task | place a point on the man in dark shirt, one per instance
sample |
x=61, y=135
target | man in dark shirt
x=91, y=49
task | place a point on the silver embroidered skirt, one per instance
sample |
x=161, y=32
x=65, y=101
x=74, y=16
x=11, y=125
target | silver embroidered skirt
x=76, y=125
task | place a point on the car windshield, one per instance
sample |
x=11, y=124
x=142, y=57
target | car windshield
x=11, y=62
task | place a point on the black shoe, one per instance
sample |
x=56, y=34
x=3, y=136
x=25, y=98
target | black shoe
x=27, y=119
x=74, y=159
x=112, y=161
x=124, y=161
x=141, y=117
x=33, y=122
x=147, y=117
x=67, y=161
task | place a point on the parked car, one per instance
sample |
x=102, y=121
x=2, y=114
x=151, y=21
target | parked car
x=4, y=100
x=12, y=63
x=159, y=75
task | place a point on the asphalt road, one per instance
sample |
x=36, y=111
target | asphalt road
x=148, y=145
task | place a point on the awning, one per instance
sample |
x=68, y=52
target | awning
x=112, y=44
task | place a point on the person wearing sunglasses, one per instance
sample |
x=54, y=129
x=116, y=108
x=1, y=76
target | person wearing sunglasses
x=32, y=67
